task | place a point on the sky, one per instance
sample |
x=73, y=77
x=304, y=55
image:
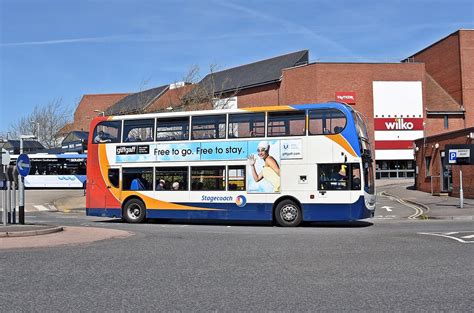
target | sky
x=63, y=49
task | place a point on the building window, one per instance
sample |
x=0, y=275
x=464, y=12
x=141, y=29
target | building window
x=446, y=122
x=428, y=166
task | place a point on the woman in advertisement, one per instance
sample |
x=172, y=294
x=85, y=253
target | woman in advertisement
x=270, y=171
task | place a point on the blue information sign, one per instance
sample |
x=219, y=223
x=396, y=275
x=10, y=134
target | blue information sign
x=23, y=165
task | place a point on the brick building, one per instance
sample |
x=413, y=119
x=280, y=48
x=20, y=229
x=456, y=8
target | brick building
x=434, y=173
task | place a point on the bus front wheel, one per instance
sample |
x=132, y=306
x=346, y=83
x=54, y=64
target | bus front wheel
x=288, y=213
x=134, y=211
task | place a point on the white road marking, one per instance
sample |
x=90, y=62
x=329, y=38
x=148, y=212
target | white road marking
x=388, y=208
x=446, y=236
x=468, y=237
x=451, y=233
x=41, y=208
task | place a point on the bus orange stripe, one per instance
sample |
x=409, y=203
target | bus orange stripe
x=340, y=140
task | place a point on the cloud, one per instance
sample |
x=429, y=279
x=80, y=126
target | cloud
x=290, y=26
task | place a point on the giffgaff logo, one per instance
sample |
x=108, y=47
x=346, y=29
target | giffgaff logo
x=399, y=124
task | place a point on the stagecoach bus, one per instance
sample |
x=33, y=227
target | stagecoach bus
x=285, y=164
x=64, y=170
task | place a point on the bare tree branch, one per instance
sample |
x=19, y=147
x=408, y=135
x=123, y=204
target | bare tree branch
x=44, y=122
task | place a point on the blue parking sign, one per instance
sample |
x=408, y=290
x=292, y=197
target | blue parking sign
x=452, y=156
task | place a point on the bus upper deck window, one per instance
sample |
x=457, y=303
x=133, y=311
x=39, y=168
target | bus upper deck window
x=174, y=128
x=138, y=130
x=326, y=122
x=208, y=127
x=107, y=132
x=291, y=123
x=246, y=125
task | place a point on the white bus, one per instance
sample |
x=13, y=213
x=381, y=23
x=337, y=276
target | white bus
x=285, y=164
x=64, y=170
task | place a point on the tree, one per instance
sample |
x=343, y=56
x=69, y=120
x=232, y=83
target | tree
x=44, y=122
x=208, y=93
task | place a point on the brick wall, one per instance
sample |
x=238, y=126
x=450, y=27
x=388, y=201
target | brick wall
x=443, y=64
x=85, y=110
x=467, y=73
x=428, y=148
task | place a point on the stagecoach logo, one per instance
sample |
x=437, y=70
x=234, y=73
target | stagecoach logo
x=125, y=150
x=399, y=124
x=241, y=201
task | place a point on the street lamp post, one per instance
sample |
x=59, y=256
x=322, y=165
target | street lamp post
x=21, y=185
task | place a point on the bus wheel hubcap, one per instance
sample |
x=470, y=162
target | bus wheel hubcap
x=289, y=213
x=134, y=212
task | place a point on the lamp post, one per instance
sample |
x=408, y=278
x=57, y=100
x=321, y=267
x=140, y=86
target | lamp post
x=21, y=185
x=102, y=113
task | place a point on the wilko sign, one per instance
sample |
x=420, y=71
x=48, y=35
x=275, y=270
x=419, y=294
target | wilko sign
x=348, y=97
x=404, y=123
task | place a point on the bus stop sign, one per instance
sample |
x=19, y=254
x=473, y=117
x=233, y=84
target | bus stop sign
x=23, y=165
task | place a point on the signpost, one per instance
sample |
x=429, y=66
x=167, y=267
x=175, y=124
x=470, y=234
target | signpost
x=458, y=155
x=5, y=162
x=23, y=166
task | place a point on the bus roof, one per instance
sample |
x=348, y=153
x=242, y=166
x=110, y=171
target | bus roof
x=332, y=104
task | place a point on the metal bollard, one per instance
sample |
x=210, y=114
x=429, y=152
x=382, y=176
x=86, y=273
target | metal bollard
x=4, y=205
x=13, y=203
x=9, y=203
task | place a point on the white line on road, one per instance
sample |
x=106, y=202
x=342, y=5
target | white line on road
x=468, y=237
x=446, y=236
x=41, y=208
x=451, y=233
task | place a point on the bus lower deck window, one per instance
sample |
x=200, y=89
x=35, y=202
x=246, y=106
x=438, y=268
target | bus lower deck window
x=171, y=178
x=137, y=178
x=208, y=178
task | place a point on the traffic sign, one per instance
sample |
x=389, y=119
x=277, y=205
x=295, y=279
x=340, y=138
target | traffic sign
x=5, y=157
x=23, y=165
x=453, y=156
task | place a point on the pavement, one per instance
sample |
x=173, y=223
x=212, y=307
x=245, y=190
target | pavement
x=434, y=207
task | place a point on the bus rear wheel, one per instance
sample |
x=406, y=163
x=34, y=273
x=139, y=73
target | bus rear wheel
x=134, y=211
x=288, y=213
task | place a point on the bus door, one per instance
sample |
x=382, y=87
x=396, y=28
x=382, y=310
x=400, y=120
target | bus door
x=334, y=188
x=113, y=197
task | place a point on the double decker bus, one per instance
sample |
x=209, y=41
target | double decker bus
x=62, y=170
x=285, y=164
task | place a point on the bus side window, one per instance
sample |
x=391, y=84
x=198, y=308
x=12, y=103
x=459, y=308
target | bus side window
x=107, y=131
x=292, y=123
x=208, y=127
x=333, y=176
x=114, y=177
x=175, y=128
x=171, y=178
x=326, y=121
x=137, y=178
x=236, y=178
x=208, y=178
x=246, y=125
x=138, y=130
x=355, y=177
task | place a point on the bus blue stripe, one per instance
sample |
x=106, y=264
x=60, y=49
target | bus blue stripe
x=251, y=212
